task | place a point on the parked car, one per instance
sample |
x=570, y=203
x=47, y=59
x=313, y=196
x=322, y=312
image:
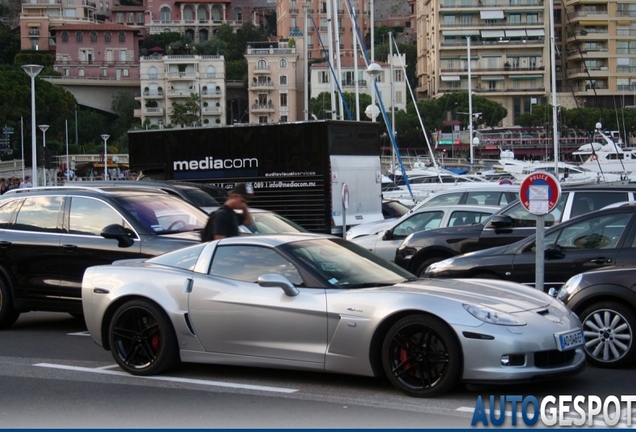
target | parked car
x=385, y=242
x=206, y=197
x=591, y=241
x=322, y=303
x=507, y=226
x=488, y=194
x=605, y=300
x=49, y=236
x=393, y=209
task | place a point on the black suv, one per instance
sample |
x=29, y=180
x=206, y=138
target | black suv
x=507, y=226
x=49, y=236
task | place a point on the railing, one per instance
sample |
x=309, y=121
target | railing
x=488, y=4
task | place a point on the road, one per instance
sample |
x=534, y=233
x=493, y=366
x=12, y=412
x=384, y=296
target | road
x=52, y=375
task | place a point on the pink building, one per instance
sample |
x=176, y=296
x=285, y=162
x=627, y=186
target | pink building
x=97, y=51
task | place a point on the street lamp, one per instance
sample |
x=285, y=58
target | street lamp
x=105, y=138
x=33, y=70
x=374, y=70
x=44, y=128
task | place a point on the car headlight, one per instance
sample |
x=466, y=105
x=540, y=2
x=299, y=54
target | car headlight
x=492, y=316
x=440, y=265
x=569, y=287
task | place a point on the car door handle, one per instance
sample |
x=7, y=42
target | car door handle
x=187, y=285
x=601, y=260
x=69, y=247
x=5, y=244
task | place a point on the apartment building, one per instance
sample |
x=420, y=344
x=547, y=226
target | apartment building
x=96, y=51
x=393, y=91
x=38, y=17
x=275, y=80
x=291, y=15
x=170, y=79
x=510, y=51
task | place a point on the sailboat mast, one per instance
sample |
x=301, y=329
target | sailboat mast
x=555, y=129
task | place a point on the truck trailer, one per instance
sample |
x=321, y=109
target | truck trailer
x=313, y=173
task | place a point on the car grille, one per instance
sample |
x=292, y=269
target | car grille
x=552, y=358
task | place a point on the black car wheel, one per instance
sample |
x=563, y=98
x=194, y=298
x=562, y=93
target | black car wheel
x=142, y=339
x=8, y=313
x=421, y=356
x=609, y=334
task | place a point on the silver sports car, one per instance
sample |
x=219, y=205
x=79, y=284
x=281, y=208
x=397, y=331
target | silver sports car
x=321, y=303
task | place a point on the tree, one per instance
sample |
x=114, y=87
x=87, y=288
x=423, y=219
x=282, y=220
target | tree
x=214, y=46
x=188, y=113
x=9, y=45
x=124, y=105
x=162, y=40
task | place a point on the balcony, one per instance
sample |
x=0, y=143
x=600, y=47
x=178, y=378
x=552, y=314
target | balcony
x=149, y=112
x=40, y=3
x=156, y=94
x=181, y=75
x=262, y=85
x=262, y=70
x=262, y=108
x=212, y=110
x=211, y=93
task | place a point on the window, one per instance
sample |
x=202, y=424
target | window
x=110, y=56
x=262, y=119
x=122, y=37
x=65, y=37
x=323, y=77
x=188, y=14
x=514, y=18
x=283, y=80
x=418, y=222
x=6, y=212
x=532, y=18
x=165, y=14
x=119, y=18
x=399, y=75
x=108, y=37
x=261, y=65
x=283, y=100
x=80, y=72
x=601, y=232
x=398, y=97
x=79, y=37
x=39, y=214
x=103, y=72
x=283, y=119
x=237, y=14
x=247, y=263
x=122, y=55
x=126, y=72
x=211, y=72
x=90, y=216
x=93, y=37
x=66, y=72
x=282, y=63
x=152, y=73
x=140, y=17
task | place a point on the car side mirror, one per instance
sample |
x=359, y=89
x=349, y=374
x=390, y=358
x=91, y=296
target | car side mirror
x=500, y=221
x=119, y=233
x=553, y=250
x=275, y=280
x=388, y=235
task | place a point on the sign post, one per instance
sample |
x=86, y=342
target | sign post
x=539, y=193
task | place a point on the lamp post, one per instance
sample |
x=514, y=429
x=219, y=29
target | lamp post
x=33, y=70
x=374, y=70
x=105, y=138
x=43, y=128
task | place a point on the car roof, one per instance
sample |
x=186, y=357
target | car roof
x=82, y=190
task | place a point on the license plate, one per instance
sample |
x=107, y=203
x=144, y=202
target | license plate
x=569, y=339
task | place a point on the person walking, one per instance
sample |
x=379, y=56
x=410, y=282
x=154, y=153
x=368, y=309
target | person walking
x=225, y=221
x=26, y=183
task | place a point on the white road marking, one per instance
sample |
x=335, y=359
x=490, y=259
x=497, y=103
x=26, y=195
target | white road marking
x=84, y=333
x=171, y=379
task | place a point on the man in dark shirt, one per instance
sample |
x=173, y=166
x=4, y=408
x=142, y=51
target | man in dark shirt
x=225, y=221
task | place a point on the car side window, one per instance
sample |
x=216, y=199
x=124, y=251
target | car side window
x=601, y=232
x=39, y=214
x=464, y=217
x=247, y=263
x=484, y=198
x=6, y=212
x=444, y=199
x=585, y=202
x=522, y=218
x=418, y=222
x=90, y=216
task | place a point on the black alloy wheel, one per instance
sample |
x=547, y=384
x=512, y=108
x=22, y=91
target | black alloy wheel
x=8, y=314
x=142, y=339
x=421, y=356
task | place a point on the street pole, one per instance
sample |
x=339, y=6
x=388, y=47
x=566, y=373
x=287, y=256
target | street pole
x=105, y=138
x=43, y=128
x=33, y=70
x=470, y=105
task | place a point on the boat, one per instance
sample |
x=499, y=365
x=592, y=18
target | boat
x=568, y=174
x=607, y=157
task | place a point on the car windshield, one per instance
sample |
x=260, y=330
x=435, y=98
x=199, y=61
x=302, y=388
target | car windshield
x=164, y=214
x=272, y=223
x=346, y=265
x=201, y=198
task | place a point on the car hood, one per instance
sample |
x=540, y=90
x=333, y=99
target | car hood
x=502, y=295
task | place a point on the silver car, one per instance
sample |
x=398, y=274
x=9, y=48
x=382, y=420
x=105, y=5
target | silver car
x=384, y=242
x=321, y=303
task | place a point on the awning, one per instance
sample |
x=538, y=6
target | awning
x=535, y=32
x=518, y=77
x=491, y=14
x=460, y=33
x=492, y=34
x=515, y=33
x=491, y=78
x=584, y=22
x=450, y=78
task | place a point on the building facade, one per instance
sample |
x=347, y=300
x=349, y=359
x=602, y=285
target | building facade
x=274, y=70
x=172, y=79
x=392, y=91
x=595, y=57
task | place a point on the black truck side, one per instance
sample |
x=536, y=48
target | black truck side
x=297, y=169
